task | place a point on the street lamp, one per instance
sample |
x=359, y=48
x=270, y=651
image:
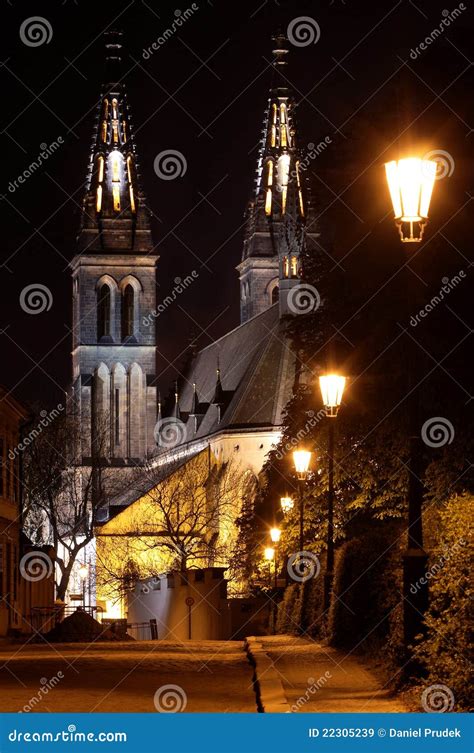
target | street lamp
x=286, y=504
x=83, y=573
x=275, y=535
x=332, y=389
x=301, y=459
x=410, y=182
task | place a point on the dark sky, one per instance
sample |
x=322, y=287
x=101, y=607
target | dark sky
x=203, y=93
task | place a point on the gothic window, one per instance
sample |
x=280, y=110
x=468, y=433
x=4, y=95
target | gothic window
x=98, y=200
x=275, y=294
x=117, y=416
x=104, y=131
x=286, y=267
x=103, y=312
x=269, y=172
x=129, y=168
x=114, y=108
x=116, y=196
x=294, y=266
x=132, y=199
x=268, y=201
x=127, y=312
x=100, y=168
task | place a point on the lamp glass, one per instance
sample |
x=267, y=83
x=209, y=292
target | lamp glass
x=287, y=504
x=275, y=534
x=332, y=389
x=301, y=459
x=410, y=182
x=269, y=553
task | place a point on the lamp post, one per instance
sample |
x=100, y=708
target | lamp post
x=83, y=573
x=332, y=389
x=275, y=534
x=269, y=553
x=301, y=459
x=410, y=182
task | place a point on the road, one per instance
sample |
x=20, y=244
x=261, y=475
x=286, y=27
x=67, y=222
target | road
x=124, y=677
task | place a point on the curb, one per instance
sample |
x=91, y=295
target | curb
x=269, y=690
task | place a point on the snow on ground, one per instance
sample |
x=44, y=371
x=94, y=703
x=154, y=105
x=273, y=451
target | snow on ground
x=123, y=677
x=323, y=679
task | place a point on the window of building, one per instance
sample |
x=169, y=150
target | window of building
x=100, y=168
x=132, y=199
x=275, y=294
x=268, y=201
x=117, y=416
x=127, y=312
x=98, y=199
x=103, y=312
x=116, y=196
x=286, y=267
x=269, y=172
x=294, y=266
x=114, y=108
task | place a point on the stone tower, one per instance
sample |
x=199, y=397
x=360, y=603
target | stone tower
x=114, y=290
x=280, y=210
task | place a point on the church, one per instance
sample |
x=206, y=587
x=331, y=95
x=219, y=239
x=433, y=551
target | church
x=229, y=404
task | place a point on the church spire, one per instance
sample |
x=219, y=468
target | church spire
x=276, y=217
x=115, y=216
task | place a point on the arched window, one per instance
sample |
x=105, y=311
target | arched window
x=275, y=294
x=103, y=312
x=127, y=312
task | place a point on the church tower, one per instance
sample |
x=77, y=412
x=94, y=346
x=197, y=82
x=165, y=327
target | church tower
x=278, y=214
x=114, y=290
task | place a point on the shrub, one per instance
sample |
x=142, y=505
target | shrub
x=289, y=610
x=367, y=587
x=444, y=651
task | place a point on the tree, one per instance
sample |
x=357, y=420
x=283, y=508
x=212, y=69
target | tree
x=61, y=495
x=183, y=516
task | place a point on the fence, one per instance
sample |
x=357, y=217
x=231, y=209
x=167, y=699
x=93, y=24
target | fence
x=43, y=619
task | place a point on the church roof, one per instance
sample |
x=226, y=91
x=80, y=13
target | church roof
x=257, y=369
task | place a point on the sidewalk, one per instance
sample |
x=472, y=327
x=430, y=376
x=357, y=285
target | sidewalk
x=316, y=678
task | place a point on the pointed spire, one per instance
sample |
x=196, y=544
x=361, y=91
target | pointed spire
x=115, y=215
x=195, y=402
x=159, y=414
x=176, y=413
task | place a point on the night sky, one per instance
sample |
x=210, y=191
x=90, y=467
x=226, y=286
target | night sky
x=203, y=93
